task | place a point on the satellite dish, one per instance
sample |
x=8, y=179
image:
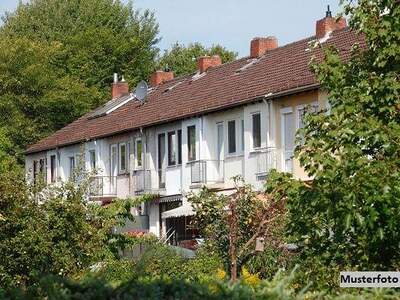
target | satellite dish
x=141, y=91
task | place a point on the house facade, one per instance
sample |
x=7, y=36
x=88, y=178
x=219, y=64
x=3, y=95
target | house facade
x=225, y=120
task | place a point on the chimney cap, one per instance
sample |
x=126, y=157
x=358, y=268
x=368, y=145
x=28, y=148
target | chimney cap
x=260, y=45
x=159, y=77
x=115, y=77
x=205, y=62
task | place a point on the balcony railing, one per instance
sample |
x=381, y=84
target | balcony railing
x=103, y=186
x=144, y=181
x=266, y=160
x=161, y=178
x=141, y=180
x=207, y=171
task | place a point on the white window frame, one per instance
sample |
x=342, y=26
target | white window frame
x=196, y=137
x=71, y=169
x=175, y=132
x=242, y=138
x=252, y=129
x=122, y=170
x=53, y=179
x=114, y=146
x=283, y=111
x=179, y=147
x=299, y=108
x=227, y=138
x=90, y=160
x=137, y=167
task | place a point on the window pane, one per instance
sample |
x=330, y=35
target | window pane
x=179, y=146
x=139, y=153
x=288, y=140
x=161, y=160
x=289, y=131
x=242, y=134
x=256, y=131
x=231, y=136
x=92, y=159
x=161, y=151
x=191, y=142
x=71, y=166
x=122, y=158
x=35, y=170
x=41, y=166
x=302, y=113
x=220, y=141
x=53, y=168
x=171, y=148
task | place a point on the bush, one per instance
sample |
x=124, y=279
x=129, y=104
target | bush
x=279, y=288
x=54, y=230
x=204, y=265
x=160, y=261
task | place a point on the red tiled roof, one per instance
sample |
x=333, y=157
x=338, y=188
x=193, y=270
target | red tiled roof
x=279, y=70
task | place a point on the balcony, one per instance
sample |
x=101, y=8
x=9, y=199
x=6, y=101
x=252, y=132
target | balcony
x=267, y=159
x=147, y=181
x=203, y=172
x=103, y=186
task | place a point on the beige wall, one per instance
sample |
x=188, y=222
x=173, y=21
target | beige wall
x=294, y=102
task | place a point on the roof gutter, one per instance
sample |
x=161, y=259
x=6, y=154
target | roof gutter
x=269, y=96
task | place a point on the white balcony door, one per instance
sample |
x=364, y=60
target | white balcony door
x=220, y=148
x=287, y=138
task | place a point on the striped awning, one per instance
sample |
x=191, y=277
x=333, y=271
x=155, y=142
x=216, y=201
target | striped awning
x=181, y=211
x=172, y=198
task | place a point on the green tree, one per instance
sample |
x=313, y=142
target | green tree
x=36, y=98
x=233, y=224
x=182, y=59
x=56, y=63
x=97, y=37
x=350, y=215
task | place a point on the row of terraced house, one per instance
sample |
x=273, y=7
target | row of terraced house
x=237, y=118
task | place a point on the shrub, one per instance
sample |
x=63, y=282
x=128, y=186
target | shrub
x=54, y=230
x=160, y=261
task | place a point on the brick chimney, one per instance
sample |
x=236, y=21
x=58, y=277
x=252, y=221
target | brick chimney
x=119, y=88
x=160, y=77
x=206, y=62
x=260, y=45
x=328, y=24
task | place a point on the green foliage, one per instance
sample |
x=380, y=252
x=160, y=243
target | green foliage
x=96, y=37
x=53, y=230
x=160, y=261
x=155, y=288
x=57, y=59
x=114, y=271
x=258, y=216
x=182, y=59
x=205, y=265
x=35, y=97
x=350, y=214
x=279, y=288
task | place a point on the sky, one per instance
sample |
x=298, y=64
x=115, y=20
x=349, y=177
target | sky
x=231, y=23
